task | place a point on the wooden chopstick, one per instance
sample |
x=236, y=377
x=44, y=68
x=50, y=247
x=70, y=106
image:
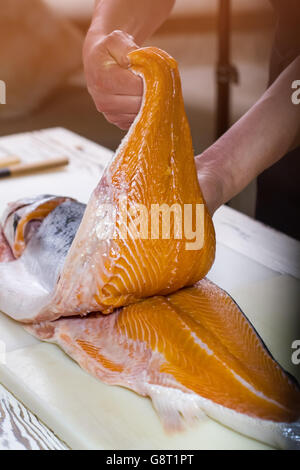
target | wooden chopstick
x=28, y=168
x=9, y=160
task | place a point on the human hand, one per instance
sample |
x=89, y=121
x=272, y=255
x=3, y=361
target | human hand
x=210, y=183
x=116, y=91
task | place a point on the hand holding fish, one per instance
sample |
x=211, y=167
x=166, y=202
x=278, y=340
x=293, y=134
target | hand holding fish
x=116, y=91
x=117, y=27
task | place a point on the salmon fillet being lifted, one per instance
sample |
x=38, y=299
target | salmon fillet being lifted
x=192, y=351
x=154, y=166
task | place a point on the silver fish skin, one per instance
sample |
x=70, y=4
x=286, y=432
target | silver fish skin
x=27, y=283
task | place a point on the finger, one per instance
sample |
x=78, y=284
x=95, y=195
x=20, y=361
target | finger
x=117, y=104
x=119, y=44
x=114, y=80
x=123, y=121
x=106, y=66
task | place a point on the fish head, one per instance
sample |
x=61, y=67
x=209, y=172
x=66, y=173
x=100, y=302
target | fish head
x=23, y=217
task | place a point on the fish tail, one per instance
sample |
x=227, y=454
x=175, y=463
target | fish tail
x=177, y=410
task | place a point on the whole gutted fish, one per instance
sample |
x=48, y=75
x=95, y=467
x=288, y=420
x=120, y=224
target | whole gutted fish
x=190, y=349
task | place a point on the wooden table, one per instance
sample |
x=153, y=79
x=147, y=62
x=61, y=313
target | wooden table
x=19, y=428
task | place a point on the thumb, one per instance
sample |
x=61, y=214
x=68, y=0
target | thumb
x=119, y=44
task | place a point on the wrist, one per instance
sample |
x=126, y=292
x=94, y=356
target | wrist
x=106, y=20
x=213, y=181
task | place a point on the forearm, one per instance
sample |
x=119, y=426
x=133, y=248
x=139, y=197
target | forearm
x=259, y=139
x=139, y=18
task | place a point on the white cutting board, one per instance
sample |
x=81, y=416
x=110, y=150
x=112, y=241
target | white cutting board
x=87, y=414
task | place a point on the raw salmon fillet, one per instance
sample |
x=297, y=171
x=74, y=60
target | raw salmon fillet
x=192, y=352
x=153, y=165
x=153, y=169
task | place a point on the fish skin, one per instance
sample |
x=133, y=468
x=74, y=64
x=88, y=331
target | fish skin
x=190, y=359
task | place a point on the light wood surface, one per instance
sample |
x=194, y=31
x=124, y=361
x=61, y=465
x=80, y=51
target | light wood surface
x=43, y=165
x=21, y=430
x=9, y=160
x=267, y=252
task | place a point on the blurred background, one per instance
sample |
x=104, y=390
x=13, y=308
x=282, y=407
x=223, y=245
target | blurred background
x=190, y=35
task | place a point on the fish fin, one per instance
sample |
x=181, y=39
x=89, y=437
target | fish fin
x=43, y=331
x=177, y=409
x=290, y=435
